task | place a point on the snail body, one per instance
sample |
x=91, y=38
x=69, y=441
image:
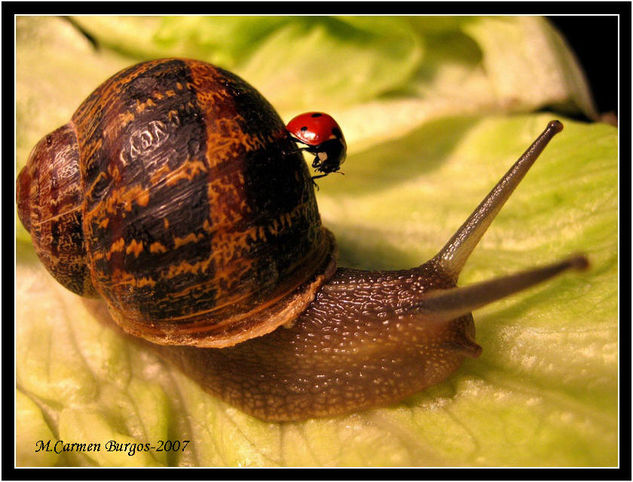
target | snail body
x=177, y=195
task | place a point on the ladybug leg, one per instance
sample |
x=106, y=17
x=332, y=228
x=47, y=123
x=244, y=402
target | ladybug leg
x=317, y=177
x=314, y=182
x=316, y=164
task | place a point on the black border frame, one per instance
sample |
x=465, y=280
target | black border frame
x=12, y=9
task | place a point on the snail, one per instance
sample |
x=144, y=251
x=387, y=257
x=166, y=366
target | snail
x=177, y=195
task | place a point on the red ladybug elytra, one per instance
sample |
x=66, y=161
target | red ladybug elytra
x=322, y=137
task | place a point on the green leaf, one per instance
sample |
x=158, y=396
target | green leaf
x=333, y=62
x=539, y=70
x=222, y=40
x=425, y=146
x=33, y=428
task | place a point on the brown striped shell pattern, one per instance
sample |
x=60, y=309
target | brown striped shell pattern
x=177, y=195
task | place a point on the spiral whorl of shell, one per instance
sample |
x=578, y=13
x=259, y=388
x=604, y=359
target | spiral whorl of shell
x=198, y=212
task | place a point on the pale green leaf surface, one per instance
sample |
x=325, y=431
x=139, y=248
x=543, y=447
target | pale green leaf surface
x=32, y=427
x=539, y=62
x=544, y=391
x=468, y=69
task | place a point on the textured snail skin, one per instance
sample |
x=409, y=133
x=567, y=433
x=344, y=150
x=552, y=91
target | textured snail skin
x=341, y=355
x=176, y=194
x=349, y=350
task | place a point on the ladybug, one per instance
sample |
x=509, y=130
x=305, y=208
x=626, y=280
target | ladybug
x=322, y=137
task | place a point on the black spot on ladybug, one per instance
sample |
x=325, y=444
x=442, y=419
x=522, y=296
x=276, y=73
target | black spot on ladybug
x=304, y=128
x=316, y=115
x=337, y=132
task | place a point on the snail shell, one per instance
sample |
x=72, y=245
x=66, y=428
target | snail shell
x=176, y=194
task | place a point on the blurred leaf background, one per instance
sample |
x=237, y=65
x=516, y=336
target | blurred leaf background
x=434, y=111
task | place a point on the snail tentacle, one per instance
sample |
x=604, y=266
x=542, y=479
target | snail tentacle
x=455, y=253
x=448, y=304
